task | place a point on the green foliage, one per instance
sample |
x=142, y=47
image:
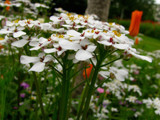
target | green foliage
x=123, y=8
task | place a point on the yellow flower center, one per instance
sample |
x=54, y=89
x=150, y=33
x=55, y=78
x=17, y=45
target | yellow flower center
x=72, y=18
x=16, y=21
x=110, y=23
x=116, y=33
x=105, y=31
x=1, y=38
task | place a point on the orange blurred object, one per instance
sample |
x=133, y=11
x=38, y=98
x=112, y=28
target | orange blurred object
x=7, y=2
x=87, y=71
x=135, y=22
x=136, y=41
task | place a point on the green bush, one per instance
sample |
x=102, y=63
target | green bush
x=149, y=29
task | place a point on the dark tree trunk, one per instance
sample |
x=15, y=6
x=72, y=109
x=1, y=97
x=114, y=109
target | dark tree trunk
x=99, y=8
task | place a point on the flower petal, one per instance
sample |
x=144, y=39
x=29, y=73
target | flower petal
x=91, y=48
x=121, y=46
x=141, y=56
x=38, y=67
x=4, y=31
x=18, y=34
x=35, y=48
x=65, y=44
x=27, y=59
x=105, y=43
x=51, y=50
x=73, y=33
x=48, y=58
x=83, y=55
x=19, y=43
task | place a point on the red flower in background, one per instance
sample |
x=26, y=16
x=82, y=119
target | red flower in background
x=87, y=71
x=135, y=22
x=7, y=2
x=1, y=46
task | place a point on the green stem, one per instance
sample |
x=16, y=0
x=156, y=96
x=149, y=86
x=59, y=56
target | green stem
x=19, y=82
x=110, y=62
x=78, y=86
x=65, y=92
x=82, y=102
x=3, y=102
x=39, y=95
x=90, y=91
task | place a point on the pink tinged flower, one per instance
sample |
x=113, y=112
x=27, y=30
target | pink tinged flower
x=107, y=91
x=15, y=108
x=100, y=90
x=3, y=23
x=22, y=95
x=136, y=72
x=24, y=85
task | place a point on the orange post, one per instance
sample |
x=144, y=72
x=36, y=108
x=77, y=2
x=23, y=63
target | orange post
x=135, y=22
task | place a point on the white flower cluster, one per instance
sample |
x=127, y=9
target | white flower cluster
x=118, y=88
x=131, y=99
x=78, y=34
x=154, y=102
x=119, y=74
x=3, y=4
x=27, y=5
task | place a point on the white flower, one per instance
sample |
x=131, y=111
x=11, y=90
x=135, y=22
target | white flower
x=67, y=45
x=85, y=52
x=131, y=99
x=140, y=56
x=18, y=34
x=136, y=114
x=114, y=109
x=20, y=43
x=39, y=62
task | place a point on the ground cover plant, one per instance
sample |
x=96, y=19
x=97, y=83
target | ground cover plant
x=72, y=66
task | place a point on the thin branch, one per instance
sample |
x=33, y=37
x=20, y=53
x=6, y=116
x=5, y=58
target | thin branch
x=92, y=62
x=56, y=70
x=110, y=62
x=77, y=86
x=58, y=60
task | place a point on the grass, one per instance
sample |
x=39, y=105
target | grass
x=148, y=44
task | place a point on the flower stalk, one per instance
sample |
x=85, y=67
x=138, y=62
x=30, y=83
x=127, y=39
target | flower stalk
x=39, y=96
